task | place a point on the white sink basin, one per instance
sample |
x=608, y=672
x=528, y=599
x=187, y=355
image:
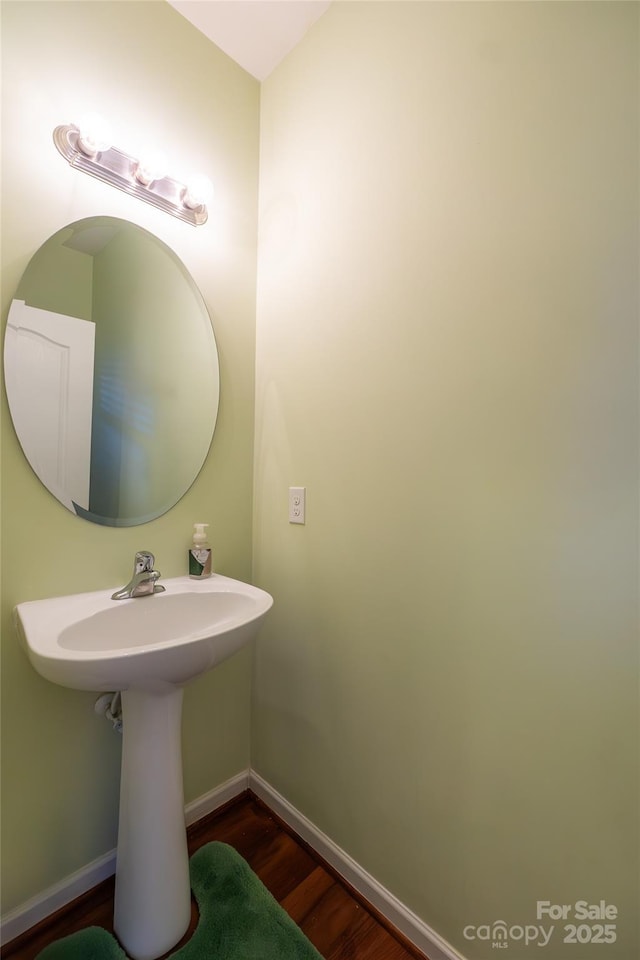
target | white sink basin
x=148, y=648
x=90, y=642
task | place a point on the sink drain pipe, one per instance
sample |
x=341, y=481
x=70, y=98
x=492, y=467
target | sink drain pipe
x=109, y=705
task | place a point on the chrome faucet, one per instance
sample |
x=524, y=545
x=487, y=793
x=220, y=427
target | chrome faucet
x=143, y=582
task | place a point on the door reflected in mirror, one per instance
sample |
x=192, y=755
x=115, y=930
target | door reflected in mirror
x=111, y=371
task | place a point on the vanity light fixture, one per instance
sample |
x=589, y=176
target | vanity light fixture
x=88, y=147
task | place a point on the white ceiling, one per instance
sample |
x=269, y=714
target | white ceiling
x=257, y=34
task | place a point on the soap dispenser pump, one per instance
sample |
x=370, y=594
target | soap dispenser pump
x=200, y=553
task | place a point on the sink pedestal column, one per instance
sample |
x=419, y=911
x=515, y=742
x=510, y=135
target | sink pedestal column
x=153, y=895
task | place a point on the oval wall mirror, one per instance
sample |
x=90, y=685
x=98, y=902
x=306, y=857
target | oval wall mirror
x=111, y=371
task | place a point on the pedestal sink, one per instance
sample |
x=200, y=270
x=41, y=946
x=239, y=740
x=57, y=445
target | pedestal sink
x=149, y=648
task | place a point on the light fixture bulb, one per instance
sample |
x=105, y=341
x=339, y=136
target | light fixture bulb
x=87, y=146
x=94, y=134
x=198, y=192
x=151, y=166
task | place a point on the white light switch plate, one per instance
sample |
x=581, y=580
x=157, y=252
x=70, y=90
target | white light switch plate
x=297, y=496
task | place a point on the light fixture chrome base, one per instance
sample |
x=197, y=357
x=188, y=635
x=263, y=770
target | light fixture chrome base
x=118, y=169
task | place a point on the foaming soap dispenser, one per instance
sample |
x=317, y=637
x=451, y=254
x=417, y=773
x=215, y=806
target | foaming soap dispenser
x=200, y=553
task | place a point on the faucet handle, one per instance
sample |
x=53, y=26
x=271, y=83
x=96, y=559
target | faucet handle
x=144, y=562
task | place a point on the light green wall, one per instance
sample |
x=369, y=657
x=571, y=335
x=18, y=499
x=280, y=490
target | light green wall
x=447, y=359
x=156, y=78
x=59, y=279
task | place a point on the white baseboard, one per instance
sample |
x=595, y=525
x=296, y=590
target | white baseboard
x=57, y=896
x=37, y=908
x=216, y=798
x=404, y=920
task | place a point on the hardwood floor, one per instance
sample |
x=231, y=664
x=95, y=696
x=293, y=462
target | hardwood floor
x=333, y=916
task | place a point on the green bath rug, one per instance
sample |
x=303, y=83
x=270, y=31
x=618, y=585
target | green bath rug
x=239, y=919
